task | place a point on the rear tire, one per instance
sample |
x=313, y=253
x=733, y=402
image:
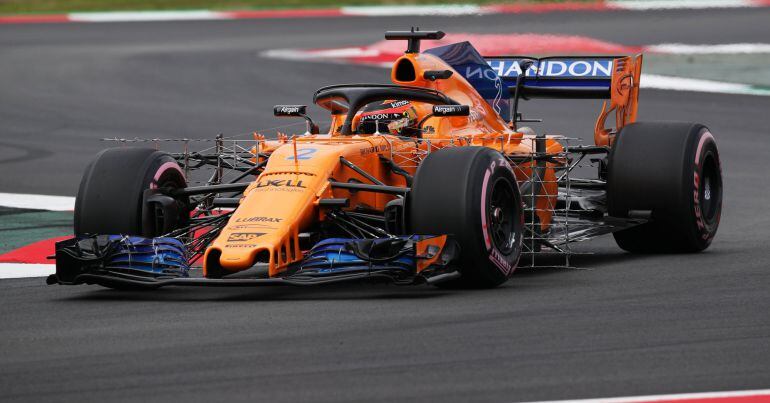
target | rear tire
x=109, y=199
x=471, y=194
x=673, y=170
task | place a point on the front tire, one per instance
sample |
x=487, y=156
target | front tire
x=673, y=170
x=111, y=192
x=471, y=194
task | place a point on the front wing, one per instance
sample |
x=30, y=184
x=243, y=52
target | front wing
x=134, y=262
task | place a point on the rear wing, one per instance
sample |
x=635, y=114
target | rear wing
x=615, y=78
x=571, y=77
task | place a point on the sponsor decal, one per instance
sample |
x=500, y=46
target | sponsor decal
x=501, y=162
x=279, y=183
x=258, y=219
x=396, y=104
x=550, y=68
x=243, y=236
x=373, y=149
x=381, y=116
x=700, y=221
x=429, y=129
x=237, y=245
x=248, y=226
x=447, y=109
x=289, y=110
x=696, y=199
x=488, y=75
x=303, y=154
x=499, y=260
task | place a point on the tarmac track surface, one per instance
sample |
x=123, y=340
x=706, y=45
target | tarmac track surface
x=630, y=325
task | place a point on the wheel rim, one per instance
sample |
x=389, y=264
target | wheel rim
x=711, y=190
x=169, y=180
x=501, y=216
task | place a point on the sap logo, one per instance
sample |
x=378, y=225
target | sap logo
x=279, y=183
x=258, y=219
x=243, y=236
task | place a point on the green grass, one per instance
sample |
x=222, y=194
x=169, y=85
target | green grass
x=65, y=6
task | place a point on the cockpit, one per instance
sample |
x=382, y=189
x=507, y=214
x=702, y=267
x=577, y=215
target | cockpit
x=380, y=108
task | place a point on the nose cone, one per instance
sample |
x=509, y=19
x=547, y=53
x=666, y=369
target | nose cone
x=265, y=226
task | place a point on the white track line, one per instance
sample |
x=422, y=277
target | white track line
x=655, y=81
x=24, y=270
x=380, y=11
x=684, y=396
x=678, y=4
x=37, y=202
x=131, y=16
x=299, y=54
x=726, y=48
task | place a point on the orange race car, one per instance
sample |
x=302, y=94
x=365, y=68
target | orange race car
x=431, y=179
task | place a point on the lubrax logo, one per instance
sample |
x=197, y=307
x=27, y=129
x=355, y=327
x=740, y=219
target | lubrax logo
x=278, y=183
x=243, y=236
x=258, y=219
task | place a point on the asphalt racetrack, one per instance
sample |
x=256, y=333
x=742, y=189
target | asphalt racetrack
x=628, y=325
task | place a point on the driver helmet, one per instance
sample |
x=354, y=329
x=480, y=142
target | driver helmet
x=393, y=117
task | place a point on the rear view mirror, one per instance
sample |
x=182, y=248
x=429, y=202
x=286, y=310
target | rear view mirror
x=451, y=110
x=297, y=111
x=289, y=110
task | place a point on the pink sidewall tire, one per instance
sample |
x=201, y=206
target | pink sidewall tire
x=110, y=195
x=673, y=170
x=471, y=194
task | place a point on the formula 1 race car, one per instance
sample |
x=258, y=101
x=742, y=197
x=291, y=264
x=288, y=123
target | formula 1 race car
x=433, y=179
